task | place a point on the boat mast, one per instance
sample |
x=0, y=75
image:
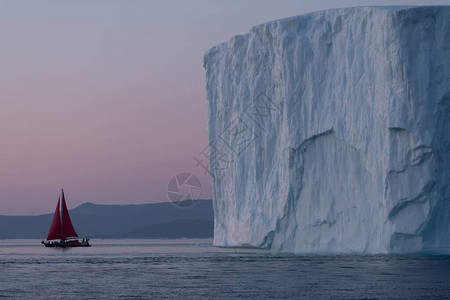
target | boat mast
x=55, y=232
x=66, y=223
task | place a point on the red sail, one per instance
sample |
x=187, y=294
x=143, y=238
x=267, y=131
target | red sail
x=55, y=229
x=67, y=227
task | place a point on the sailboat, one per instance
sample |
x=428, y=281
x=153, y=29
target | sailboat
x=62, y=234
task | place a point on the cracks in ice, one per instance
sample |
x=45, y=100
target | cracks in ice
x=296, y=183
x=420, y=198
x=411, y=164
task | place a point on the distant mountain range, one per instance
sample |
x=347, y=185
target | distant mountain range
x=158, y=220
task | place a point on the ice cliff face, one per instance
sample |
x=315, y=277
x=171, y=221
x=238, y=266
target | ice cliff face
x=330, y=132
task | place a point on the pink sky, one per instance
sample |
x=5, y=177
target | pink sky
x=107, y=98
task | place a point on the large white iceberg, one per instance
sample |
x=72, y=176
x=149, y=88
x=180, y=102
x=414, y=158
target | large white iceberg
x=330, y=132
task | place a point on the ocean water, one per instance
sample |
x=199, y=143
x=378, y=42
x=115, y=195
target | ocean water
x=192, y=269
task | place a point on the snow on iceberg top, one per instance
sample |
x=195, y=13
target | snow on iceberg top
x=337, y=11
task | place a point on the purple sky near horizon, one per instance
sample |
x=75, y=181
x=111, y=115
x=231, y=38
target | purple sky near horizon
x=107, y=98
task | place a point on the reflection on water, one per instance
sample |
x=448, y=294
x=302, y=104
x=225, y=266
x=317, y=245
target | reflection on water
x=192, y=269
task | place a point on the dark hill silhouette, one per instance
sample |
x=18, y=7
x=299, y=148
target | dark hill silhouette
x=158, y=220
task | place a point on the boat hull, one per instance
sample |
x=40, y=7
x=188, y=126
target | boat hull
x=66, y=244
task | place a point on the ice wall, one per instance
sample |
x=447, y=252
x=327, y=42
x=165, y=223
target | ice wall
x=330, y=132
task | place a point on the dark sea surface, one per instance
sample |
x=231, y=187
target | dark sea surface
x=191, y=269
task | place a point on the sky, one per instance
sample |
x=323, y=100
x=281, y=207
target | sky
x=107, y=99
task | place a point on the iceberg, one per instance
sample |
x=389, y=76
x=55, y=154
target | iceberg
x=329, y=132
